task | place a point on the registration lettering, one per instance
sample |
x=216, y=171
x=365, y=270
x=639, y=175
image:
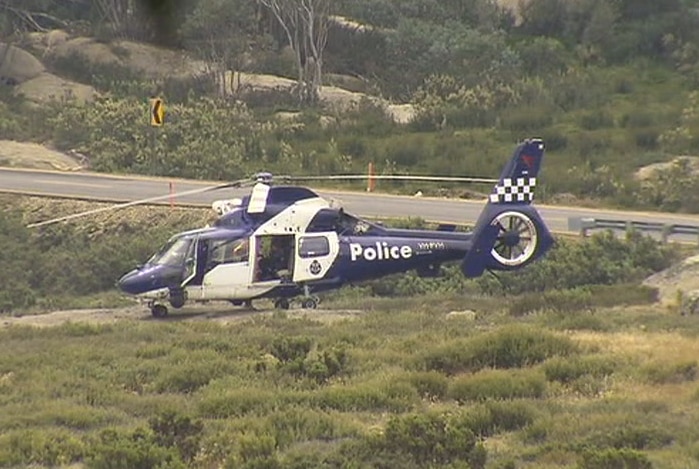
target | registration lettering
x=381, y=251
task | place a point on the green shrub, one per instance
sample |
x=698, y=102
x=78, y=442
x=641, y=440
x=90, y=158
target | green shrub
x=612, y=458
x=45, y=447
x=238, y=402
x=632, y=436
x=135, y=450
x=289, y=349
x=430, y=385
x=558, y=301
x=664, y=373
x=596, y=119
x=300, y=424
x=365, y=397
x=188, y=377
x=498, y=384
x=493, y=417
x=326, y=364
x=258, y=448
x=173, y=430
x=510, y=347
x=429, y=438
x=580, y=322
x=526, y=119
x=567, y=370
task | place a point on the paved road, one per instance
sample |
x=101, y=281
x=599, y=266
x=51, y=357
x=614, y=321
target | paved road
x=128, y=188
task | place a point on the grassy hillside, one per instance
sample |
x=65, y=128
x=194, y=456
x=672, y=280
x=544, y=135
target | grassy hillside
x=402, y=385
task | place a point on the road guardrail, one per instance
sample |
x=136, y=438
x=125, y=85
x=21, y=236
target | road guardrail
x=584, y=225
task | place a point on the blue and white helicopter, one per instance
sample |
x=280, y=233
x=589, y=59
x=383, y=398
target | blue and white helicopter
x=284, y=242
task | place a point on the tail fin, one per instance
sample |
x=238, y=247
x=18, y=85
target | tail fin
x=518, y=178
x=510, y=233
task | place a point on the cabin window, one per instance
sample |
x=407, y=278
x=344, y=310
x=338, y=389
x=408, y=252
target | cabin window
x=227, y=251
x=314, y=246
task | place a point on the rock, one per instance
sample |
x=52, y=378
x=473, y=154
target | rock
x=401, y=113
x=32, y=155
x=678, y=278
x=690, y=303
x=18, y=65
x=149, y=60
x=467, y=315
x=648, y=172
x=45, y=42
x=48, y=86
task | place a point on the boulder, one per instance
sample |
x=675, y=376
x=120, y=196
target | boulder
x=679, y=279
x=47, y=87
x=32, y=155
x=648, y=172
x=149, y=60
x=18, y=65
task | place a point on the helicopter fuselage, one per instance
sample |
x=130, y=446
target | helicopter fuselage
x=193, y=265
x=285, y=241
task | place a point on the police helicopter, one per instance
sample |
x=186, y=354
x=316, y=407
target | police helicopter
x=284, y=242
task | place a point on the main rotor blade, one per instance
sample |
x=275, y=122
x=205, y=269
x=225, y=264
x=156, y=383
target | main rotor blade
x=135, y=202
x=389, y=177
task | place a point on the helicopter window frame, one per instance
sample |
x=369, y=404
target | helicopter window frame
x=174, y=253
x=228, y=251
x=313, y=246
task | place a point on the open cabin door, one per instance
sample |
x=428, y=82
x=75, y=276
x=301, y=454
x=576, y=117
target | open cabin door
x=227, y=269
x=274, y=259
x=190, y=262
x=315, y=254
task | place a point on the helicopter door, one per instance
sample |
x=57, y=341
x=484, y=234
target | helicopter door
x=190, y=262
x=275, y=258
x=315, y=255
x=227, y=270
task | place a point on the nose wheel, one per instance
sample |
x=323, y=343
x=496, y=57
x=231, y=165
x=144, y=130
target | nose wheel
x=158, y=310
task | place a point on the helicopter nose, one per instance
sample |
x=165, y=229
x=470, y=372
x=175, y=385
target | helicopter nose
x=131, y=283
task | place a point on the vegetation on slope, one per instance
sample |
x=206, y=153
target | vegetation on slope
x=401, y=385
x=609, y=86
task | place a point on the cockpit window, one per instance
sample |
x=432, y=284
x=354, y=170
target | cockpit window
x=350, y=225
x=173, y=253
x=233, y=219
x=228, y=251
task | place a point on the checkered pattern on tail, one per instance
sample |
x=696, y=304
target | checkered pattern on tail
x=510, y=190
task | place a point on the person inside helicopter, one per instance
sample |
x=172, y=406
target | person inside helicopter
x=273, y=259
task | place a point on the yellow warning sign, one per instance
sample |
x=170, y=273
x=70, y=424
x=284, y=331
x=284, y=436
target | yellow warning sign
x=157, y=112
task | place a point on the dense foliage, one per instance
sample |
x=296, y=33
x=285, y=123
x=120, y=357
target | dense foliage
x=608, y=84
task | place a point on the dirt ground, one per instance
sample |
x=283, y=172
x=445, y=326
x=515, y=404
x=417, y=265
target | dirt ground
x=222, y=313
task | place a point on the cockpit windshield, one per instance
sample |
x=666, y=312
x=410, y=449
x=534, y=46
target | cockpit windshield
x=233, y=219
x=174, y=253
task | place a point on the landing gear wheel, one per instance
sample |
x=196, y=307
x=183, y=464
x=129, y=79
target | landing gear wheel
x=281, y=303
x=309, y=303
x=158, y=311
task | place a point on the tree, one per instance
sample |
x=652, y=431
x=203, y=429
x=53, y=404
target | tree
x=305, y=24
x=222, y=32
